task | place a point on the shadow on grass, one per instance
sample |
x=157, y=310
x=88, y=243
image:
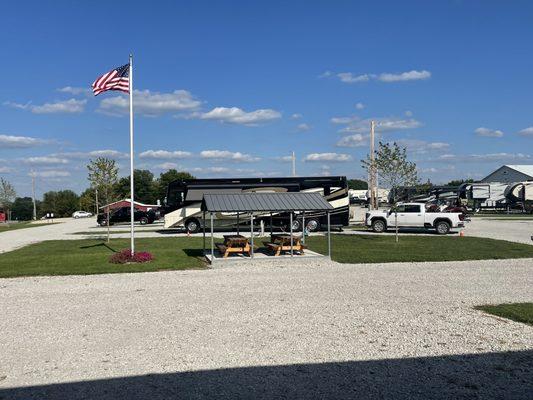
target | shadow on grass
x=196, y=253
x=103, y=244
x=503, y=375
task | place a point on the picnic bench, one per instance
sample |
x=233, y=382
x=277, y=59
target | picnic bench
x=283, y=243
x=234, y=244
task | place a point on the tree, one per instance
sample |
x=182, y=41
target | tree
x=357, y=184
x=22, y=209
x=103, y=173
x=459, y=182
x=394, y=169
x=144, y=186
x=88, y=200
x=62, y=203
x=7, y=195
x=166, y=177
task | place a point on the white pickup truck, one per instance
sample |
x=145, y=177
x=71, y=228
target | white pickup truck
x=413, y=215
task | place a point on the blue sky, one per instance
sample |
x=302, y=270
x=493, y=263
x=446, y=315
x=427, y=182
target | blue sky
x=230, y=88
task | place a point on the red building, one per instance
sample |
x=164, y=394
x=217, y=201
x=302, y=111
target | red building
x=127, y=203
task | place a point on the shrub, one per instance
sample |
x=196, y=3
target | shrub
x=124, y=256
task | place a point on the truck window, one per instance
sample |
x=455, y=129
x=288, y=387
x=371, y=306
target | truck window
x=412, y=208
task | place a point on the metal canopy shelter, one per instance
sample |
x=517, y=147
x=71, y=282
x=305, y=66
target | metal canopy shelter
x=263, y=202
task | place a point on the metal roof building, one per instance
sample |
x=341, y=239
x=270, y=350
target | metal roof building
x=263, y=203
x=510, y=174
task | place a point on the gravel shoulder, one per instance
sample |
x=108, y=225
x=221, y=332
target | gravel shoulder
x=355, y=331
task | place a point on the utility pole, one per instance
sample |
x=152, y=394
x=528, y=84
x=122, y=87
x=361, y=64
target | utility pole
x=372, y=180
x=33, y=195
x=293, y=158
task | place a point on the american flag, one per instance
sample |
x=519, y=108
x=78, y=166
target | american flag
x=118, y=79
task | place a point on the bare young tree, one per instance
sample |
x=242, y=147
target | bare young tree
x=394, y=168
x=103, y=175
x=7, y=195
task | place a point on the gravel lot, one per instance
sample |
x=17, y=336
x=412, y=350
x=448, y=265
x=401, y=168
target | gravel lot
x=322, y=331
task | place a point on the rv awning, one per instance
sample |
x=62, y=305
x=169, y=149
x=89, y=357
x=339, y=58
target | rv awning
x=250, y=202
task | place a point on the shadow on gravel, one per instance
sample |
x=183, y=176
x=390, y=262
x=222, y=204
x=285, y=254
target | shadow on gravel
x=484, y=376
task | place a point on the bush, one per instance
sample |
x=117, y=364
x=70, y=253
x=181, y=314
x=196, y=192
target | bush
x=124, y=256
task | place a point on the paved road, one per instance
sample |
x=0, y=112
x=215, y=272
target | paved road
x=393, y=331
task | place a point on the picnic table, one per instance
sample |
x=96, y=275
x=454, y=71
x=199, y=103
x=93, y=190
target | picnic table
x=234, y=244
x=283, y=243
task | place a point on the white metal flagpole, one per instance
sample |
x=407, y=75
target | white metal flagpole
x=132, y=200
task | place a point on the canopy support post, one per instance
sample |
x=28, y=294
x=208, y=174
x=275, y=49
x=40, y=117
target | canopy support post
x=203, y=226
x=290, y=222
x=212, y=242
x=252, y=235
x=238, y=223
x=271, y=227
x=329, y=237
x=303, y=227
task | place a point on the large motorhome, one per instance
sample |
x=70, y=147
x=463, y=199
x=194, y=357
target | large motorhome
x=184, y=197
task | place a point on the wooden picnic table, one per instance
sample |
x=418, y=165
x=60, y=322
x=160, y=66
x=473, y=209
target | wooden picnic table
x=283, y=243
x=234, y=244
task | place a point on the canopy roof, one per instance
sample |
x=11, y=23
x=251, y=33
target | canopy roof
x=249, y=202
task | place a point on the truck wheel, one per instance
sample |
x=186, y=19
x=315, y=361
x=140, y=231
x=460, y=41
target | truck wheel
x=192, y=225
x=442, y=227
x=378, y=226
x=312, y=225
x=143, y=220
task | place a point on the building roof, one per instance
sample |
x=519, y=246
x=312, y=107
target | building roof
x=249, y=202
x=135, y=203
x=526, y=169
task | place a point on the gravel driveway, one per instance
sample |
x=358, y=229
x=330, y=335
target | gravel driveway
x=393, y=331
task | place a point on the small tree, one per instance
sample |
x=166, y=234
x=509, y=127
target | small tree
x=103, y=175
x=394, y=169
x=7, y=195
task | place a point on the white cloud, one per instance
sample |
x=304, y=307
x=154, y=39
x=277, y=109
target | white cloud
x=405, y=76
x=331, y=157
x=422, y=146
x=95, y=153
x=356, y=125
x=486, y=132
x=70, y=106
x=12, y=142
x=325, y=74
x=227, y=155
x=164, y=154
x=527, y=131
x=296, y=116
x=75, y=90
x=212, y=170
x=6, y=170
x=235, y=115
x=355, y=140
x=359, y=106
x=167, y=165
x=284, y=158
x=387, y=77
x=303, y=127
x=45, y=160
x=480, y=158
x=51, y=173
x=150, y=103
x=348, y=77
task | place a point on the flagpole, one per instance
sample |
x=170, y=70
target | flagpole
x=132, y=200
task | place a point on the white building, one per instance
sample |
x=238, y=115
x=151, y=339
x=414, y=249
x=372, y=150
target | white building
x=510, y=174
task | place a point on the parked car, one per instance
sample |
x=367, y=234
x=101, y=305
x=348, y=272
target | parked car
x=413, y=215
x=123, y=214
x=81, y=214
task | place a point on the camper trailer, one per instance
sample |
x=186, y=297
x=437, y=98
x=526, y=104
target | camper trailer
x=521, y=194
x=483, y=196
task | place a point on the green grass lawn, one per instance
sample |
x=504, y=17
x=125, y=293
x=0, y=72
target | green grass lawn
x=520, y=312
x=20, y=225
x=90, y=256
x=79, y=257
x=377, y=248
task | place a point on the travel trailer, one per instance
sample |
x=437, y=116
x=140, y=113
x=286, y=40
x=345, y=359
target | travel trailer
x=521, y=193
x=184, y=197
x=483, y=196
